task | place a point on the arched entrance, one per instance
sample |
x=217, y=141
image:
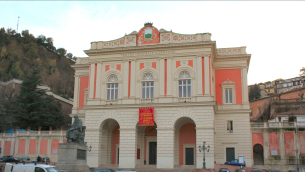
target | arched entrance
x=185, y=141
x=258, y=154
x=147, y=145
x=109, y=141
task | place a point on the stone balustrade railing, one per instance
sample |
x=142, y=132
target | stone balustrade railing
x=33, y=133
x=278, y=124
x=231, y=51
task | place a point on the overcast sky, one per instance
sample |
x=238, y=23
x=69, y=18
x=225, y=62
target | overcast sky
x=273, y=32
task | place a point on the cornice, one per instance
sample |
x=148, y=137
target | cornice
x=156, y=105
x=147, y=47
x=80, y=65
x=233, y=111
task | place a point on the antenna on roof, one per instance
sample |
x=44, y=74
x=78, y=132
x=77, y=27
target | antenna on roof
x=18, y=24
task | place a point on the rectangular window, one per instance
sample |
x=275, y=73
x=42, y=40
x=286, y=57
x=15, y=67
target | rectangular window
x=185, y=88
x=112, y=91
x=147, y=90
x=229, y=126
x=228, y=94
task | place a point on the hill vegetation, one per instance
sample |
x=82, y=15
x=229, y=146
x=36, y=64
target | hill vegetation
x=20, y=52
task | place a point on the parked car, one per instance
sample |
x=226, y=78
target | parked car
x=126, y=170
x=235, y=162
x=43, y=159
x=223, y=170
x=104, y=170
x=257, y=170
x=240, y=170
x=292, y=171
x=29, y=168
x=274, y=170
x=9, y=158
x=24, y=159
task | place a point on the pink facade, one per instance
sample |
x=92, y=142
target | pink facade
x=54, y=147
x=33, y=145
x=115, y=141
x=21, y=146
x=7, y=148
x=274, y=148
x=302, y=142
x=257, y=138
x=289, y=143
x=43, y=146
x=187, y=136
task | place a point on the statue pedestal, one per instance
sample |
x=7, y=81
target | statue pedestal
x=72, y=157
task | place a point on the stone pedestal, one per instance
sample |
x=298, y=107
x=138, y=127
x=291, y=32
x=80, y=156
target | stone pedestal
x=72, y=157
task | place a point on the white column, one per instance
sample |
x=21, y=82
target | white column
x=76, y=92
x=206, y=75
x=125, y=78
x=245, y=85
x=161, y=77
x=165, y=148
x=199, y=75
x=169, y=77
x=132, y=79
x=91, y=80
x=98, y=80
x=128, y=146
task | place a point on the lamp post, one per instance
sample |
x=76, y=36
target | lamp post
x=296, y=153
x=203, y=148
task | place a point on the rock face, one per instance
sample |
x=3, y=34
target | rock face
x=72, y=157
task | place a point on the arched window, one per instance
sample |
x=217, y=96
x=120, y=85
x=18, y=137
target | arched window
x=112, y=87
x=148, y=86
x=184, y=83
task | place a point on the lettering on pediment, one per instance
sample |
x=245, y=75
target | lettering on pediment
x=148, y=53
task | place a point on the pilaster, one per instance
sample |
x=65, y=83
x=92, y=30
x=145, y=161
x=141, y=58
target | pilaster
x=128, y=145
x=92, y=156
x=244, y=86
x=98, y=80
x=91, y=81
x=133, y=79
x=76, y=92
x=125, y=79
x=169, y=77
x=199, y=75
x=206, y=75
x=165, y=148
x=161, y=76
x=266, y=144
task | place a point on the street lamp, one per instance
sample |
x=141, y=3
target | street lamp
x=203, y=148
x=296, y=153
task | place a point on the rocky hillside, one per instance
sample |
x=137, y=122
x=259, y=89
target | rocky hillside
x=21, y=52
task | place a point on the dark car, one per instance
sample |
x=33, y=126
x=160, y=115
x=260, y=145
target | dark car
x=223, y=170
x=43, y=159
x=274, y=170
x=236, y=163
x=104, y=170
x=9, y=159
x=240, y=170
x=292, y=171
x=257, y=170
x=24, y=159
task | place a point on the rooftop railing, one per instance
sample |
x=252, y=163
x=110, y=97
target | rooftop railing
x=278, y=124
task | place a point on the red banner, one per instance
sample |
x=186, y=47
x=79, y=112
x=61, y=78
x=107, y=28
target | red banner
x=146, y=116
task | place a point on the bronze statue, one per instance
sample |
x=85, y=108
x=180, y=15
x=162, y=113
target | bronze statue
x=75, y=131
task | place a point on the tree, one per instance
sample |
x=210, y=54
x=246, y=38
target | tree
x=302, y=71
x=35, y=108
x=61, y=52
x=255, y=92
x=69, y=55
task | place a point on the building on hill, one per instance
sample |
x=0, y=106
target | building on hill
x=278, y=86
x=153, y=96
x=13, y=87
x=279, y=105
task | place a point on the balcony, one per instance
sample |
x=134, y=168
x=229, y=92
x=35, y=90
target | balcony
x=147, y=101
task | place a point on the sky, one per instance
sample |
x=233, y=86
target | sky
x=272, y=31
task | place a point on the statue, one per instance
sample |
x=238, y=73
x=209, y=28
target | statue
x=75, y=131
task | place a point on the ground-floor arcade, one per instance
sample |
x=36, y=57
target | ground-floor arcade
x=116, y=137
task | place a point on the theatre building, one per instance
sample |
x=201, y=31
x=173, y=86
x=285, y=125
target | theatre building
x=153, y=96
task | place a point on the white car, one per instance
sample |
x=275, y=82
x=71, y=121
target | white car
x=29, y=168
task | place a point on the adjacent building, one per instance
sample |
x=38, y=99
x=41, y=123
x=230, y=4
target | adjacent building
x=152, y=97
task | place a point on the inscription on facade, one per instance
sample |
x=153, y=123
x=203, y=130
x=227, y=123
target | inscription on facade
x=148, y=53
x=81, y=154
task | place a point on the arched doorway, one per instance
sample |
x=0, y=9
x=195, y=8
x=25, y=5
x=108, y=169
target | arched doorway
x=109, y=140
x=147, y=145
x=258, y=154
x=185, y=141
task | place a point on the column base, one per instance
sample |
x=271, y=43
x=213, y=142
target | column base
x=127, y=162
x=165, y=162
